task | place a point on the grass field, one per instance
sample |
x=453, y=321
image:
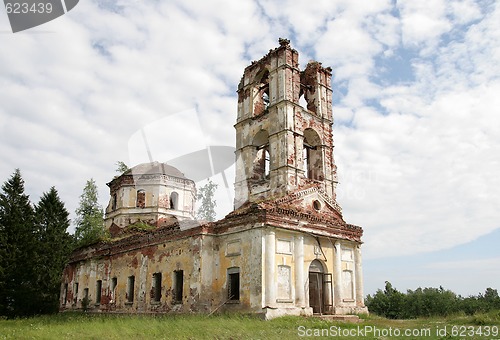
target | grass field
x=92, y=326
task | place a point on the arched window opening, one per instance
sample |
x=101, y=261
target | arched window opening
x=262, y=97
x=141, y=199
x=312, y=155
x=174, y=198
x=262, y=161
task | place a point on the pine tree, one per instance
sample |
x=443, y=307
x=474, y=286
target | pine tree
x=207, y=209
x=55, y=245
x=89, y=216
x=19, y=247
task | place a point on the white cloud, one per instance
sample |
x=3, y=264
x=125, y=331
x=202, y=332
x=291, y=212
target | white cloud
x=422, y=24
x=430, y=161
x=465, y=11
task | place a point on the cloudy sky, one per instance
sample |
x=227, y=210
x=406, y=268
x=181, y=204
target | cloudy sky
x=416, y=109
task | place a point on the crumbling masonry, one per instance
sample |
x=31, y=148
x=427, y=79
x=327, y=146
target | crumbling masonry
x=285, y=249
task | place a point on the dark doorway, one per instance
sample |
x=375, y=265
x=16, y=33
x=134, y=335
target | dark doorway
x=316, y=292
x=320, y=289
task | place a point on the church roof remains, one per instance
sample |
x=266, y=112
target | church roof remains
x=155, y=168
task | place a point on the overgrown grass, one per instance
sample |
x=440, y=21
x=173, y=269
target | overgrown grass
x=95, y=326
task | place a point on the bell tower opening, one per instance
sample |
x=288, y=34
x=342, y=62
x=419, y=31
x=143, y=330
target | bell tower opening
x=312, y=155
x=261, y=91
x=262, y=160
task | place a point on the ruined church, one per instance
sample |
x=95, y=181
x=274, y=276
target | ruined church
x=284, y=249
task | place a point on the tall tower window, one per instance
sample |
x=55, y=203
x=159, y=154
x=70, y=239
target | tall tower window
x=312, y=155
x=113, y=204
x=265, y=98
x=305, y=158
x=262, y=161
x=267, y=162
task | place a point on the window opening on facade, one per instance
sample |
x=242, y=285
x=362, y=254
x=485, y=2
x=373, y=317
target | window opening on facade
x=114, y=283
x=233, y=284
x=130, y=289
x=141, y=199
x=98, y=289
x=75, y=292
x=178, y=285
x=317, y=205
x=174, y=198
x=156, y=287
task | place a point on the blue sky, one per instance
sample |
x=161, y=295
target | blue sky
x=416, y=109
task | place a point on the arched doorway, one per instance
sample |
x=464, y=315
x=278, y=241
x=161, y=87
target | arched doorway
x=320, y=289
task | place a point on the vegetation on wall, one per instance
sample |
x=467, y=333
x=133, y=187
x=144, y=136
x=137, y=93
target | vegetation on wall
x=121, y=167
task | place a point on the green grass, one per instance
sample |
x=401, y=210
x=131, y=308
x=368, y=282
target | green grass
x=94, y=326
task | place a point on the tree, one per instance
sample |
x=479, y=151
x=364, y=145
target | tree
x=89, y=216
x=55, y=245
x=121, y=167
x=207, y=209
x=19, y=247
x=388, y=303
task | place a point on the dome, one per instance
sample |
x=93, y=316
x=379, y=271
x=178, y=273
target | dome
x=155, y=168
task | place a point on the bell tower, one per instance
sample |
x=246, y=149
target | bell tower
x=281, y=145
